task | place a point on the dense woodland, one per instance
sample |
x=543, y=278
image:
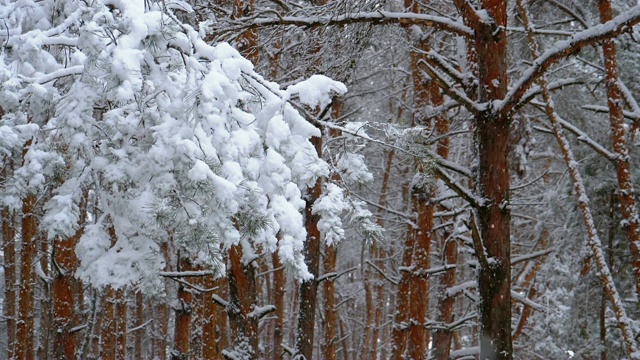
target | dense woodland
x=340, y=180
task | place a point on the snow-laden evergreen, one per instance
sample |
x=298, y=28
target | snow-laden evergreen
x=168, y=138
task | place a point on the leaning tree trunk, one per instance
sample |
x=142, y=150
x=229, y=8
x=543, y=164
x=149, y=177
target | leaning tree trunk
x=626, y=193
x=9, y=251
x=593, y=239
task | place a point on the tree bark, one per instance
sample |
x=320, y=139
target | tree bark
x=25, y=335
x=108, y=327
x=9, y=251
x=242, y=302
x=309, y=288
x=494, y=216
x=278, y=302
x=121, y=323
x=139, y=321
x=330, y=314
x=594, y=242
x=626, y=191
x=64, y=287
x=183, y=315
x=210, y=348
x=46, y=309
x=441, y=348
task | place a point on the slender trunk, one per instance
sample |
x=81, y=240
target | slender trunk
x=46, y=310
x=25, y=335
x=368, y=304
x=603, y=301
x=9, y=251
x=418, y=337
x=121, y=323
x=626, y=191
x=330, y=314
x=442, y=336
x=108, y=325
x=309, y=288
x=162, y=330
x=242, y=302
x=197, y=317
x=594, y=242
x=278, y=302
x=183, y=315
x=528, y=283
x=90, y=347
x=401, y=317
x=139, y=321
x=346, y=350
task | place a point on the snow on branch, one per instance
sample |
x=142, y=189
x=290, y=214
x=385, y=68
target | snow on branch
x=449, y=88
x=631, y=115
x=462, y=191
x=375, y=17
x=618, y=25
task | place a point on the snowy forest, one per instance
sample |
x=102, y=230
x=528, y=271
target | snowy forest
x=319, y=179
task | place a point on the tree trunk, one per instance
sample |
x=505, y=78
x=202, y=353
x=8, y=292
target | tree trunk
x=401, y=317
x=242, y=302
x=441, y=348
x=594, y=242
x=9, y=251
x=121, y=323
x=494, y=216
x=65, y=286
x=330, y=314
x=25, y=335
x=162, y=329
x=626, y=191
x=278, y=302
x=139, y=321
x=210, y=348
x=108, y=325
x=46, y=310
x=183, y=315
x=309, y=288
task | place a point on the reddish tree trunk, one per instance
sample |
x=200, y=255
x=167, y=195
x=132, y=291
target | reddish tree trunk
x=64, y=287
x=183, y=316
x=108, y=325
x=139, y=321
x=330, y=315
x=626, y=193
x=121, y=323
x=210, y=348
x=24, y=337
x=494, y=217
x=308, y=289
x=278, y=302
x=442, y=337
x=242, y=301
x=9, y=251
